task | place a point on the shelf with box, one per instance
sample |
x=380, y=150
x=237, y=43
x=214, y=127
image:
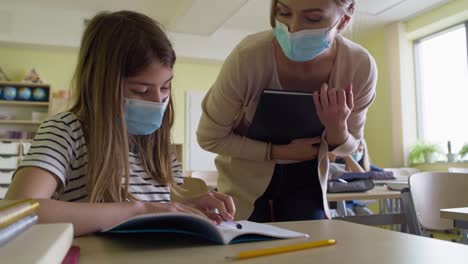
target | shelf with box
x=11, y=153
x=23, y=106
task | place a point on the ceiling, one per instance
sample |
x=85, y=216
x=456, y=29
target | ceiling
x=216, y=25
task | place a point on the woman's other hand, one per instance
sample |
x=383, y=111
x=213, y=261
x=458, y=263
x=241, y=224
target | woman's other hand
x=299, y=149
x=333, y=108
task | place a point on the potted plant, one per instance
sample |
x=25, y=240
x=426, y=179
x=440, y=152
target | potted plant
x=463, y=151
x=423, y=152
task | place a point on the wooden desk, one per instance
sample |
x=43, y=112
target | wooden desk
x=460, y=220
x=379, y=192
x=455, y=213
x=355, y=244
x=391, y=216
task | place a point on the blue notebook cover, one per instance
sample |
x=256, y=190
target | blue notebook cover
x=193, y=225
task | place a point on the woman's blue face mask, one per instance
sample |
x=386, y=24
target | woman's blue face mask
x=143, y=117
x=303, y=45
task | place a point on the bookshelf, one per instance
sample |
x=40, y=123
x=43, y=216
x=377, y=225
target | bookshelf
x=12, y=151
x=23, y=106
x=19, y=122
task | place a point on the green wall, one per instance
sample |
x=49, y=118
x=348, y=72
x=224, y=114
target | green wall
x=56, y=66
x=378, y=130
x=378, y=125
x=454, y=12
x=190, y=75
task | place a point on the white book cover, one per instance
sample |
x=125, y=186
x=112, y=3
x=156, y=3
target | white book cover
x=188, y=224
x=41, y=243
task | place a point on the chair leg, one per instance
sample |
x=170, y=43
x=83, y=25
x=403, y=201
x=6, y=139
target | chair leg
x=407, y=206
x=464, y=236
x=341, y=208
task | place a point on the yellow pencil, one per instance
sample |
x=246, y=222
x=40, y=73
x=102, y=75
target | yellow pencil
x=282, y=249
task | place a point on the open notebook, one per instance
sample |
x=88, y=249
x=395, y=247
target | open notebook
x=179, y=223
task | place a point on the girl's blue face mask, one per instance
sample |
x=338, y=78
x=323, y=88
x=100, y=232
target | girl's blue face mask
x=358, y=155
x=303, y=45
x=143, y=117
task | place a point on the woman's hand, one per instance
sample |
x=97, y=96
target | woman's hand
x=333, y=108
x=214, y=200
x=299, y=149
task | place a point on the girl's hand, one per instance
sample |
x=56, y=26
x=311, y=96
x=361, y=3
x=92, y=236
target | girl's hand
x=299, y=149
x=214, y=200
x=333, y=108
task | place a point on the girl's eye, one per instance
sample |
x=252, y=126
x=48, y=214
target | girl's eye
x=166, y=87
x=282, y=12
x=140, y=91
x=314, y=20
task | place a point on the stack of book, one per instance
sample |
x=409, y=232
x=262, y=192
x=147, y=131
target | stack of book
x=15, y=218
x=23, y=241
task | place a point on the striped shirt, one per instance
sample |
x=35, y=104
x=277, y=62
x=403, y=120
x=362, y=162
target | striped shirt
x=60, y=148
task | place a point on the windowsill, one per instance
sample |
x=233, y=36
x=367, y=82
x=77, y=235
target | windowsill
x=464, y=162
x=440, y=166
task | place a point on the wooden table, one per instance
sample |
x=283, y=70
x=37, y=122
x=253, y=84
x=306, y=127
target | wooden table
x=355, y=244
x=391, y=216
x=460, y=220
x=379, y=192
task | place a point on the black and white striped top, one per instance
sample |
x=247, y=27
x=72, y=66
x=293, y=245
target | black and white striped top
x=59, y=147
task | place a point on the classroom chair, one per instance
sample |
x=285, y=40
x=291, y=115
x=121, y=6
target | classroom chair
x=428, y=193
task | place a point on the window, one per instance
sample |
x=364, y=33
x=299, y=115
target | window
x=442, y=87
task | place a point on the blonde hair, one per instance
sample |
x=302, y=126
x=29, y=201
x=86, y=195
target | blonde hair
x=347, y=5
x=115, y=46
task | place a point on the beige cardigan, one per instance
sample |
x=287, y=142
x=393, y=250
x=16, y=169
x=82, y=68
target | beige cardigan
x=229, y=107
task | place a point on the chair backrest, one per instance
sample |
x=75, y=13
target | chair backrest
x=432, y=191
x=458, y=170
x=194, y=187
x=210, y=177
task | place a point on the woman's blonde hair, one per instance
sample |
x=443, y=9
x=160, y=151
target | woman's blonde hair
x=348, y=6
x=115, y=46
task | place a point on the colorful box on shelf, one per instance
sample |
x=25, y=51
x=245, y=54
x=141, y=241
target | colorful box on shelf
x=39, y=116
x=16, y=135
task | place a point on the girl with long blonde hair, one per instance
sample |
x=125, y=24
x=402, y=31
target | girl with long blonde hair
x=109, y=157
